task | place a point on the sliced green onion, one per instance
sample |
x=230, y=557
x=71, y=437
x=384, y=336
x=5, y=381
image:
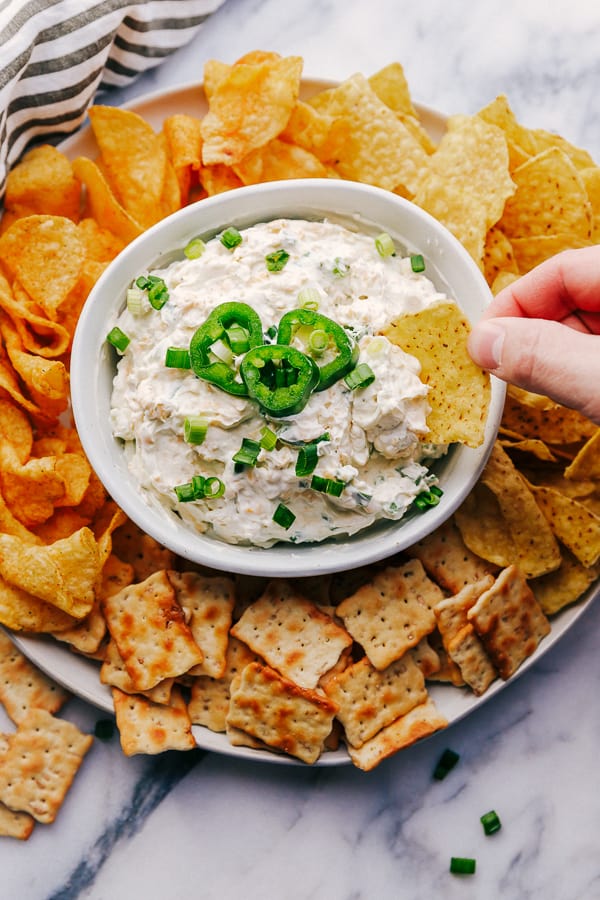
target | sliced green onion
x=213, y=488
x=156, y=288
x=427, y=499
x=231, y=238
x=445, y=763
x=283, y=516
x=340, y=268
x=462, y=865
x=194, y=429
x=185, y=492
x=118, y=339
x=222, y=352
x=307, y=459
x=331, y=486
x=271, y=332
x=360, y=377
x=194, y=248
x=417, y=262
x=177, y=358
x=276, y=261
x=247, y=455
x=491, y=822
x=318, y=341
x=104, y=729
x=308, y=298
x=238, y=338
x=384, y=244
x=135, y=301
x=198, y=482
x=268, y=438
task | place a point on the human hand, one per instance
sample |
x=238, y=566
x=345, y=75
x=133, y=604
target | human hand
x=542, y=332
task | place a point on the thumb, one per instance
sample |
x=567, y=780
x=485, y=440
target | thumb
x=544, y=357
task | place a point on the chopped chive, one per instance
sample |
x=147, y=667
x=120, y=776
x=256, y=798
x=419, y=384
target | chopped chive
x=445, y=763
x=177, y=358
x=340, y=268
x=318, y=341
x=491, y=822
x=198, y=482
x=462, y=865
x=268, y=438
x=135, y=301
x=104, y=729
x=308, y=298
x=271, y=332
x=276, y=261
x=331, y=486
x=231, y=238
x=247, y=455
x=384, y=244
x=118, y=339
x=307, y=459
x=213, y=488
x=239, y=339
x=360, y=377
x=222, y=351
x=194, y=429
x=194, y=248
x=283, y=516
x=156, y=289
x=417, y=262
x=185, y=492
x=427, y=499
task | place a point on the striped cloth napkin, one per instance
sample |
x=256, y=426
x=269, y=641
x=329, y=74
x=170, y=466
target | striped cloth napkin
x=56, y=54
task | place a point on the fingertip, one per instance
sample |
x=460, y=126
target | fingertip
x=486, y=343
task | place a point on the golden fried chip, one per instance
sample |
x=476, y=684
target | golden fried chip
x=467, y=182
x=250, y=105
x=43, y=182
x=184, y=147
x=550, y=198
x=379, y=148
x=521, y=144
x=498, y=256
x=459, y=391
x=277, y=161
x=21, y=611
x=99, y=243
x=102, y=204
x=38, y=334
x=586, y=464
x=46, y=380
x=218, y=179
x=564, y=586
x=315, y=131
x=501, y=521
x=534, y=416
x=576, y=526
x=31, y=490
x=15, y=429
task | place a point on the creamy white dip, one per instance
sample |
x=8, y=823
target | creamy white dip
x=377, y=435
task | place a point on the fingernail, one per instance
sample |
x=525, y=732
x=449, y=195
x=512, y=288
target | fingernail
x=485, y=344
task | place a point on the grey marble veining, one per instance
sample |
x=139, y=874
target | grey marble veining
x=203, y=826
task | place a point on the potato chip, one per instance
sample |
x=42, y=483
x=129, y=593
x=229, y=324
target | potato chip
x=249, y=106
x=99, y=243
x=277, y=161
x=31, y=490
x=184, y=148
x=320, y=134
x=380, y=149
x=43, y=182
x=467, y=182
x=102, y=204
x=21, y=611
x=459, y=391
x=549, y=191
x=47, y=380
x=63, y=574
x=15, y=429
x=38, y=334
x=218, y=179
x=501, y=521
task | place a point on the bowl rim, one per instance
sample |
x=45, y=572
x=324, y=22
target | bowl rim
x=377, y=542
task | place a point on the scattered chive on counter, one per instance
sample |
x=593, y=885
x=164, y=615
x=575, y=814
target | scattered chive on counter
x=445, y=764
x=462, y=865
x=491, y=822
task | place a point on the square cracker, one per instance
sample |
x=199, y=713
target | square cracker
x=38, y=768
x=114, y=673
x=447, y=559
x=147, y=727
x=292, y=634
x=22, y=686
x=15, y=824
x=420, y=722
x=209, y=697
x=207, y=603
x=369, y=699
x=392, y=613
x=509, y=621
x=148, y=626
x=279, y=713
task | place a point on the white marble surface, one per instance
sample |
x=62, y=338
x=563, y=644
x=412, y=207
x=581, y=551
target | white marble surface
x=200, y=826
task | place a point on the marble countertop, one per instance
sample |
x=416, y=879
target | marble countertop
x=198, y=825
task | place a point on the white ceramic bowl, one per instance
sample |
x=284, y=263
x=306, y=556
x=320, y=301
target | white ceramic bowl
x=92, y=366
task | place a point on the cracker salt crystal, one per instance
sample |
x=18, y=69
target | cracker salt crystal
x=279, y=713
x=369, y=699
x=509, y=620
x=392, y=613
x=419, y=723
x=207, y=602
x=149, y=629
x=22, y=686
x=43, y=756
x=147, y=727
x=292, y=634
